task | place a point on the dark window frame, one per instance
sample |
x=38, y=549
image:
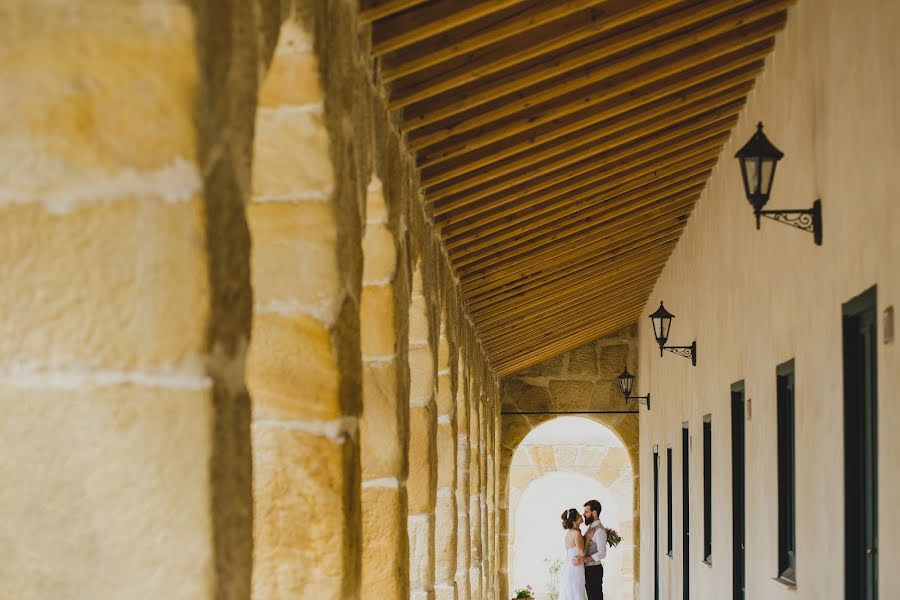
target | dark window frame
x=707, y=488
x=669, y=501
x=787, y=471
x=686, y=509
x=656, y=522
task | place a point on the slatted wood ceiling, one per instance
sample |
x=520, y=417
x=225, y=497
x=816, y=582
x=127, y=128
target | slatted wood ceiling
x=562, y=145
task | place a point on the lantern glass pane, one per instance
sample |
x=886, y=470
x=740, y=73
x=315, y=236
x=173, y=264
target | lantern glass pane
x=627, y=383
x=766, y=171
x=751, y=167
x=665, y=325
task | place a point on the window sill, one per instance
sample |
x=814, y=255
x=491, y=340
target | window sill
x=707, y=562
x=669, y=554
x=791, y=585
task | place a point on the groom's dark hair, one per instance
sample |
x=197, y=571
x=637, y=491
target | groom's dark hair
x=595, y=506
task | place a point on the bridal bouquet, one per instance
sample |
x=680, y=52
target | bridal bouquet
x=527, y=593
x=613, y=538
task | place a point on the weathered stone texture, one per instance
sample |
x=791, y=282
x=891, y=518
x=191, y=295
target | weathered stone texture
x=279, y=174
x=521, y=396
x=289, y=354
x=72, y=515
x=380, y=426
x=295, y=473
x=582, y=361
x=384, y=515
x=421, y=487
x=142, y=302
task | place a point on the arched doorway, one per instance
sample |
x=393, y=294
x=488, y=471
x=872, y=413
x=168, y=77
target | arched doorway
x=561, y=464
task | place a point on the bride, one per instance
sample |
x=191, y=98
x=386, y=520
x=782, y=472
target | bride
x=571, y=578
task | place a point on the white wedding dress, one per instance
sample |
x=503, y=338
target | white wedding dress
x=571, y=578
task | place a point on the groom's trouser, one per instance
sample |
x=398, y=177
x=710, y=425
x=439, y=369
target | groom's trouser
x=593, y=582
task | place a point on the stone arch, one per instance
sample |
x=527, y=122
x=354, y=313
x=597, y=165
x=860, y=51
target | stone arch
x=583, y=379
x=606, y=462
x=515, y=428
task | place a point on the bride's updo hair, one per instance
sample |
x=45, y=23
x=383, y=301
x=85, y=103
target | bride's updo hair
x=569, y=517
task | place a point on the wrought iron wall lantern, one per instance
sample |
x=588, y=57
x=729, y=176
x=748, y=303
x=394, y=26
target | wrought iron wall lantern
x=626, y=380
x=662, y=322
x=758, y=159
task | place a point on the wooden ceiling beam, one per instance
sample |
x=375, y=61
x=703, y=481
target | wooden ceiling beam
x=536, y=277
x=619, y=268
x=508, y=53
x=613, y=214
x=614, y=234
x=508, y=296
x=573, y=297
x=728, y=64
x=622, y=242
x=551, y=341
x=503, y=228
x=509, y=118
x=630, y=126
x=528, y=359
x=640, y=249
x=442, y=51
x=610, y=305
x=660, y=142
x=663, y=129
x=405, y=29
x=602, y=166
x=635, y=175
x=632, y=47
x=374, y=9
x=674, y=91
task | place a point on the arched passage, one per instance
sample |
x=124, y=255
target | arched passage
x=581, y=380
x=561, y=464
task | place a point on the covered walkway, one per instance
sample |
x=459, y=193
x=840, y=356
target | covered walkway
x=287, y=282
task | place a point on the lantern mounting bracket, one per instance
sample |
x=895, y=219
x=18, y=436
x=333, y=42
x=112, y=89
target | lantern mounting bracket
x=645, y=400
x=685, y=351
x=809, y=220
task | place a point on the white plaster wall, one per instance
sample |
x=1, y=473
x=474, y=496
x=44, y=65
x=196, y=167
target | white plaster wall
x=830, y=99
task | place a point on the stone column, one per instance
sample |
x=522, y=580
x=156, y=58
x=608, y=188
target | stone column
x=422, y=482
x=490, y=490
x=125, y=432
x=385, y=417
x=475, y=493
x=445, y=509
x=485, y=525
x=301, y=368
x=463, y=586
x=506, y=557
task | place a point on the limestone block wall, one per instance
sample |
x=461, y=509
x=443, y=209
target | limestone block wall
x=828, y=98
x=422, y=482
x=195, y=196
x=394, y=296
x=126, y=299
x=583, y=379
x=445, y=516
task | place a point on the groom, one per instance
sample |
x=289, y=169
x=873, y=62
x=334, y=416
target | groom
x=595, y=550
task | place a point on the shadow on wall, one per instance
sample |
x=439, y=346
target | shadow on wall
x=560, y=465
